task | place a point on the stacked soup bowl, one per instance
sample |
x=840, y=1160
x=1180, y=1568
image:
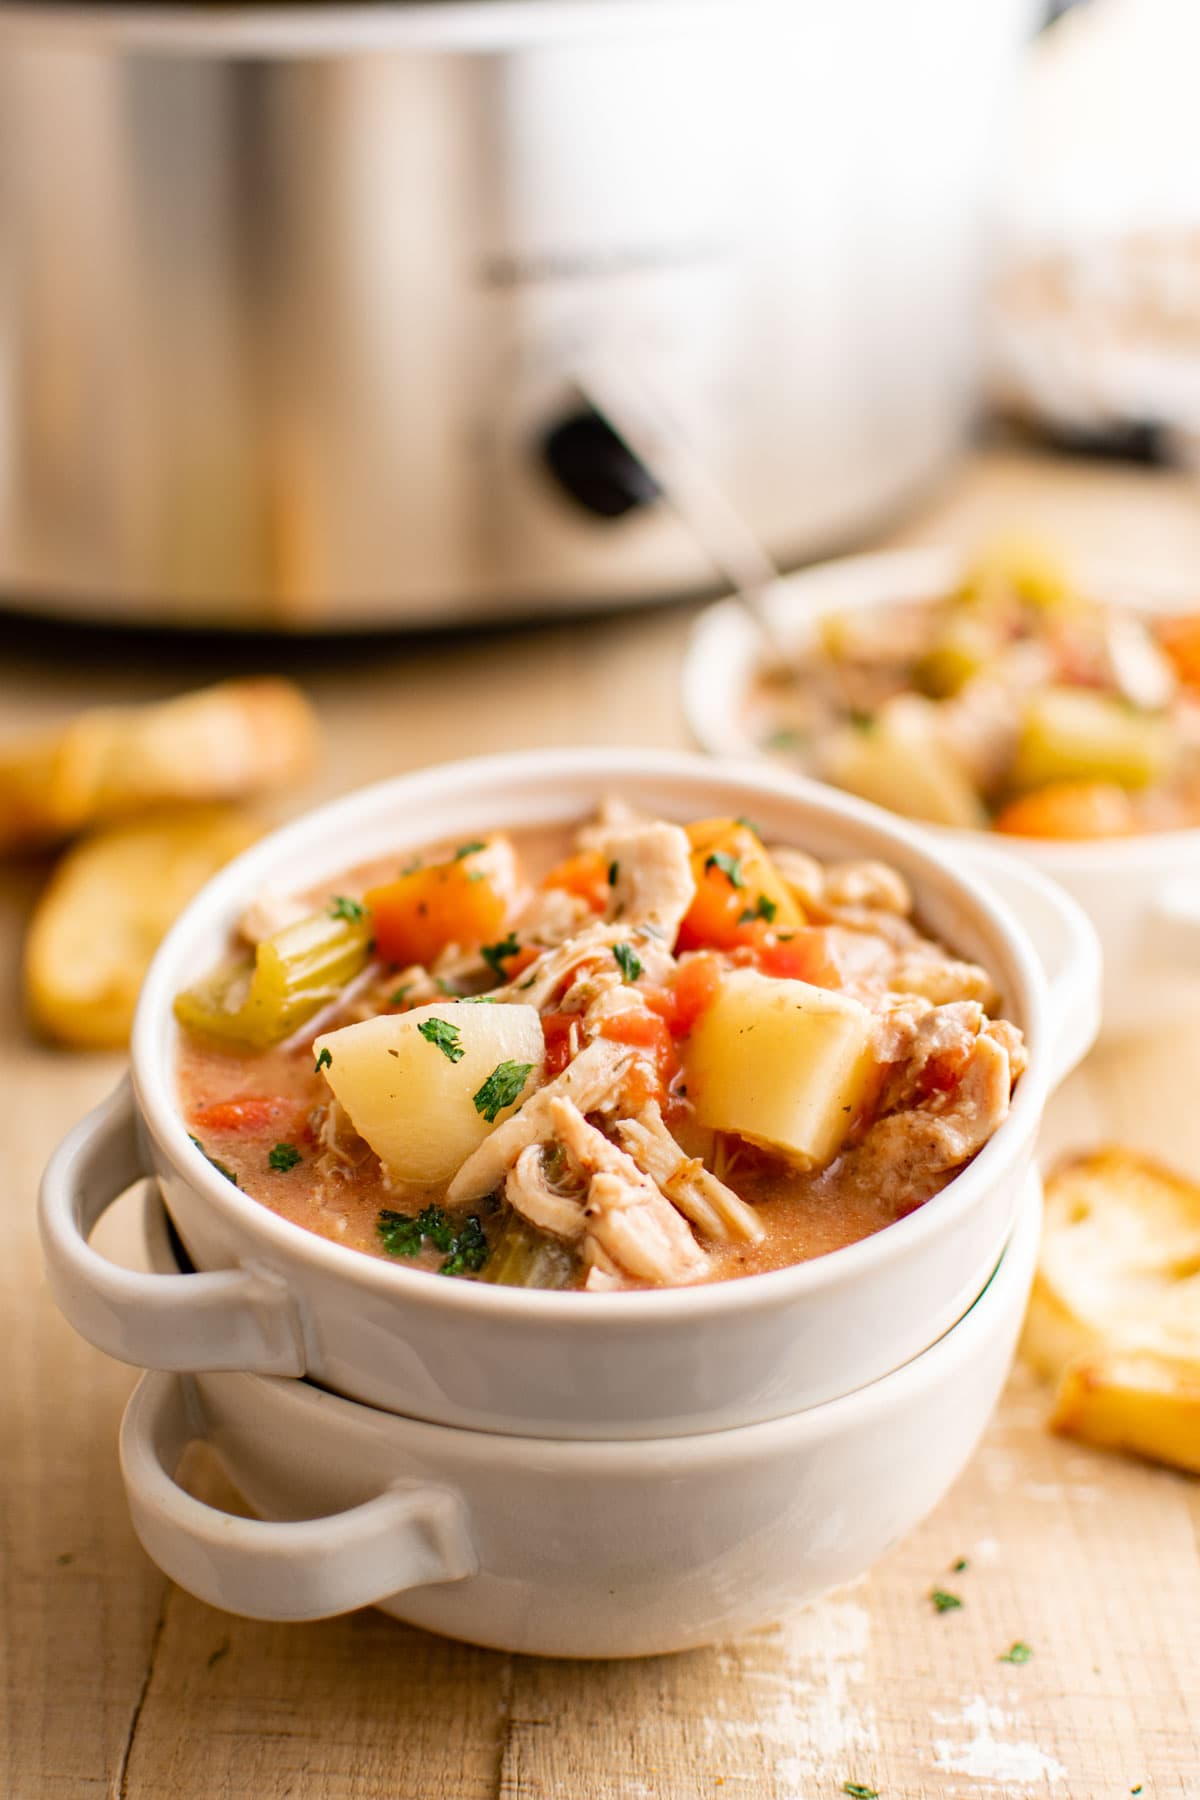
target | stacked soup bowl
x=561, y=1473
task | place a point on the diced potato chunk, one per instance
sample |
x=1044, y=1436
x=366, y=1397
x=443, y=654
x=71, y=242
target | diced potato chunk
x=1074, y=734
x=899, y=760
x=964, y=647
x=781, y=1063
x=414, y=1103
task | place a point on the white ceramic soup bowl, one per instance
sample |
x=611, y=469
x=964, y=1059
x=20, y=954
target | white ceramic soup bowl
x=552, y=1547
x=277, y=1299
x=1141, y=893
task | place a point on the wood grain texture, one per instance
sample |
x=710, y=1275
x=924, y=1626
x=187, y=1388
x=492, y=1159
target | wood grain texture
x=115, y=1684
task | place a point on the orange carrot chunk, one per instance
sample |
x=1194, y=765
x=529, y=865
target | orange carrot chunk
x=585, y=876
x=466, y=900
x=1070, y=809
x=740, y=895
x=1180, y=638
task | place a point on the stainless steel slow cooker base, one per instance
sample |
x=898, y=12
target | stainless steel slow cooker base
x=294, y=302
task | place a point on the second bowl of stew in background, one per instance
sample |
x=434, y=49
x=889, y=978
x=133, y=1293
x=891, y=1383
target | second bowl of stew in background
x=592, y=1094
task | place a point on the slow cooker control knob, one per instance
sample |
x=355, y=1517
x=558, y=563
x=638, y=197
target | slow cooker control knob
x=596, y=467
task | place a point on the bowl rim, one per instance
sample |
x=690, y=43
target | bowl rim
x=930, y=1367
x=723, y=636
x=152, y=1070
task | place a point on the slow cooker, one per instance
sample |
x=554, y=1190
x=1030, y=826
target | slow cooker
x=308, y=313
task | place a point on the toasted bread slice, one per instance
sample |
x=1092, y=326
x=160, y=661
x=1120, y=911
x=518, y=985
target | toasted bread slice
x=1114, y=1318
x=107, y=908
x=1136, y=1401
x=223, y=743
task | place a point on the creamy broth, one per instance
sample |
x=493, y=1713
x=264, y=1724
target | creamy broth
x=266, y=1118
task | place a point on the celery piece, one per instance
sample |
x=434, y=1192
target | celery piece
x=1078, y=734
x=523, y=1257
x=964, y=647
x=259, y=1001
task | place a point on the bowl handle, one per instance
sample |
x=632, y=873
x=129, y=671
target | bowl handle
x=1065, y=943
x=407, y=1536
x=231, y=1319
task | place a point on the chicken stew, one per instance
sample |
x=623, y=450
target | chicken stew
x=630, y=1055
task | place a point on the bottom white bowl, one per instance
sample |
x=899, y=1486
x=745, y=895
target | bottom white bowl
x=556, y=1548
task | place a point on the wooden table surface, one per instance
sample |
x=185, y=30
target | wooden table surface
x=115, y=1683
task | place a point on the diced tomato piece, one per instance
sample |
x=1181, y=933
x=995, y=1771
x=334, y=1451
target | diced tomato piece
x=646, y=1031
x=556, y=1029
x=517, y=964
x=250, y=1112
x=585, y=876
x=740, y=895
x=642, y=1085
x=803, y=955
x=465, y=901
x=696, y=985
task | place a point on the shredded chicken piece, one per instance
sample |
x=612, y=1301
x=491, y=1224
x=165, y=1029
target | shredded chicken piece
x=940, y=978
x=627, y=1215
x=940, y=1039
x=268, y=913
x=613, y=814
x=543, y=979
x=552, y=917
x=803, y=875
x=603, y=1276
x=713, y=1208
x=529, y=1190
x=653, y=884
x=1010, y=1039
x=867, y=884
x=901, y=1156
x=589, y=1081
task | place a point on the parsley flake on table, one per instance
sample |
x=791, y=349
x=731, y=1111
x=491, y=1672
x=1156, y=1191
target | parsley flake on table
x=944, y=1602
x=284, y=1157
x=496, y=955
x=444, y=1037
x=1016, y=1653
x=218, y=1166
x=502, y=1087
x=324, y=1060
x=628, y=961
x=956, y=1568
x=728, y=865
x=343, y=907
x=857, y=1791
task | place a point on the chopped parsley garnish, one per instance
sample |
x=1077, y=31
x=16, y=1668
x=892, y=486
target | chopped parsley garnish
x=480, y=1000
x=862, y=721
x=857, y=1791
x=784, y=739
x=959, y=1566
x=324, y=1060
x=728, y=865
x=628, y=961
x=766, y=909
x=614, y=869
x=468, y=1252
x=944, y=1602
x=465, y=1250
x=502, y=1087
x=748, y=823
x=1017, y=1653
x=446, y=987
x=218, y=1166
x=444, y=1037
x=284, y=1157
x=496, y=955
x=471, y=849
x=398, y=998
x=1137, y=1789
x=343, y=907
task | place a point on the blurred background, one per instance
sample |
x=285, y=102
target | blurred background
x=342, y=317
